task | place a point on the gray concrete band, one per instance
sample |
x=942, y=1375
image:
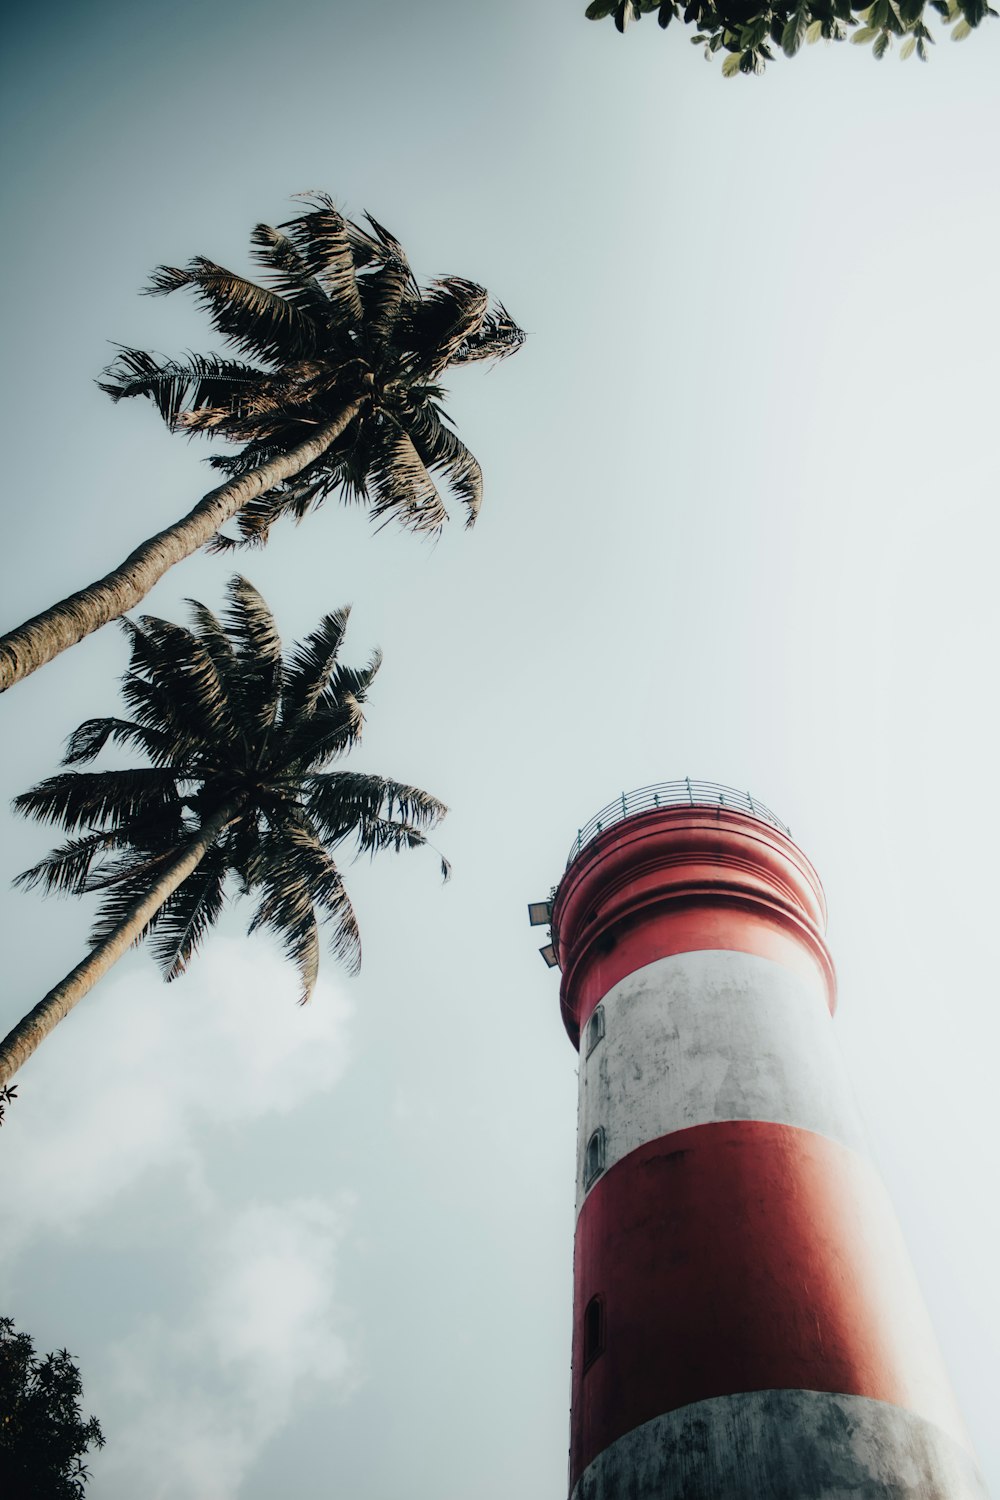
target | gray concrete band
x=784, y=1445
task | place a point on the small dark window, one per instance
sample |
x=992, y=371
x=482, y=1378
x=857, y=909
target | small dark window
x=593, y=1162
x=595, y=1029
x=593, y=1330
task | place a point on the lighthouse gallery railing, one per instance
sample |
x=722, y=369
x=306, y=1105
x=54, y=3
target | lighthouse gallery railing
x=672, y=794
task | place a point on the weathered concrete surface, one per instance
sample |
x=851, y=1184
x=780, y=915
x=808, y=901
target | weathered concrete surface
x=784, y=1445
x=701, y=1037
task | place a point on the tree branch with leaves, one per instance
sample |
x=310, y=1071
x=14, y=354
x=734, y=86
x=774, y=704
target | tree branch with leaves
x=747, y=35
x=43, y=1434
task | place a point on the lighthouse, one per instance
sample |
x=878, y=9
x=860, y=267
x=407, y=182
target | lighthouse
x=746, y=1321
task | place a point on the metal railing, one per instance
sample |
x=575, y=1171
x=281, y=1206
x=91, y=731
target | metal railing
x=672, y=794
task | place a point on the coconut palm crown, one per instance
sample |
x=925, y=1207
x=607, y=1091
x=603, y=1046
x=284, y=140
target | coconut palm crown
x=238, y=741
x=332, y=385
x=338, y=324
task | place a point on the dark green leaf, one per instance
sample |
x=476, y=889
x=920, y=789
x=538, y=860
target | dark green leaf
x=795, y=31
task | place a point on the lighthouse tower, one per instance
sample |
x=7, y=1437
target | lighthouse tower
x=746, y=1325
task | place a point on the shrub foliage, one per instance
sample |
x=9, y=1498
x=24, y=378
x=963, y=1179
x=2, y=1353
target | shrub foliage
x=747, y=34
x=43, y=1435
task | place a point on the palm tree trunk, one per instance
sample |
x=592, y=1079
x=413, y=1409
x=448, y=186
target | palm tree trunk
x=44, y=636
x=29, y=1032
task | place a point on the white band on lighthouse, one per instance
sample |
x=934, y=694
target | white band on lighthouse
x=707, y=1036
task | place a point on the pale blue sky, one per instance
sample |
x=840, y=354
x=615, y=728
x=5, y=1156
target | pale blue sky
x=740, y=523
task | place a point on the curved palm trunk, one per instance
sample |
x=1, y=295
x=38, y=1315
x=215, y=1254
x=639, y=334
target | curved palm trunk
x=20, y=1043
x=44, y=636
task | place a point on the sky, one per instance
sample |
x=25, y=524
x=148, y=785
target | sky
x=739, y=524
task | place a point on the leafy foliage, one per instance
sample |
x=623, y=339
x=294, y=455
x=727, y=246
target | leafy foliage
x=43, y=1436
x=339, y=321
x=747, y=33
x=228, y=722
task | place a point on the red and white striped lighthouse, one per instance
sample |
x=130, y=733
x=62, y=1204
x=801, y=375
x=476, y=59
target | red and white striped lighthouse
x=746, y=1320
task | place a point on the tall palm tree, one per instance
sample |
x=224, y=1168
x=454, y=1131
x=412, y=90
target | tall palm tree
x=336, y=390
x=237, y=740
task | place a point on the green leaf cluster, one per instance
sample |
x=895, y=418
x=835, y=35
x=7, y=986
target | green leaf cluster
x=43, y=1434
x=747, y=34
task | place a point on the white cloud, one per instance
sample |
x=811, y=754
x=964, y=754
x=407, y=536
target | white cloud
x=142, y=1079
x=195, y=1403
x=134, y=1079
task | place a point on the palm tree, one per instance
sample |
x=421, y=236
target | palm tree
x=236, y=740
x=336, y=391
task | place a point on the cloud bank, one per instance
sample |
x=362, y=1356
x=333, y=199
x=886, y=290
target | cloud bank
x=145, y=1082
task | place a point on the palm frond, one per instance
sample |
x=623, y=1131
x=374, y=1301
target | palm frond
x=350, y=684
x=66, y=870
x=310, y=742
x=323, y=244
x=259, y=515
x=296, y=875
x=149, y=688
x=183, y=387
x=89, y=739
x=374, y=835
x=309, y=665
x=497, y=337
x=449, y=314
x=384, y=295
x=251, y=624
x=180, y=664
x=442, y=449
x=187, y=915
x=94, y=798
x=183, y=748
x=123, y=885
x=253, y=318
x=255, y=453
x=401, y=488
x=287, y=272
x=392, y=247
x=286, y=908
x=215, y=639
x=343, y=803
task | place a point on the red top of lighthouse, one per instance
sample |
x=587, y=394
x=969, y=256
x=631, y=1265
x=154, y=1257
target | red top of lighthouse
x=682, y=866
